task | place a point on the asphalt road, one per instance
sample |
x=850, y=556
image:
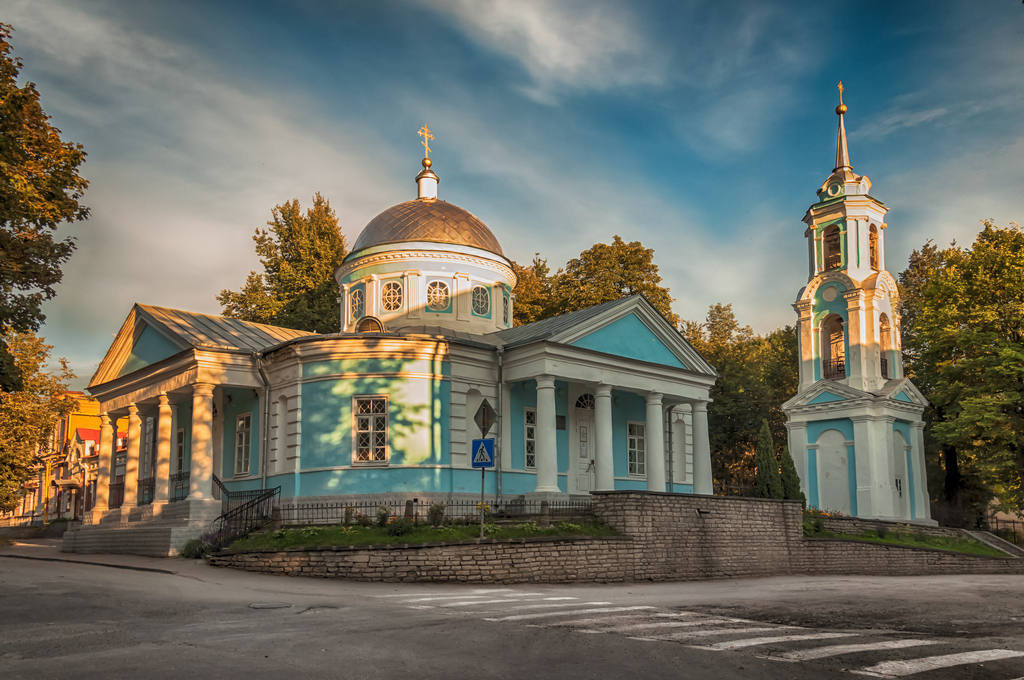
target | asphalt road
x=66, y=620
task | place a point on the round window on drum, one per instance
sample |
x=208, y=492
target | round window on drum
x=391, y=296
x=438, y=296
x=481, y=301
x=356, y=306
x=504, y=309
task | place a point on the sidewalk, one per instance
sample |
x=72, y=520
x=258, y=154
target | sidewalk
x=48, y=549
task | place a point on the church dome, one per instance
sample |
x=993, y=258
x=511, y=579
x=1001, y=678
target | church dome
x=430, y=220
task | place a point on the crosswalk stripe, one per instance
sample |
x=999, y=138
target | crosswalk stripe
x=717, y=631
x=898, y=669
x=753, y=642
x=467, y=597
x=520, y=617
x=557, y=604
x=578, y=623
x=836, y=650
x=477, y=591
x=474, y=603
x=669, y=624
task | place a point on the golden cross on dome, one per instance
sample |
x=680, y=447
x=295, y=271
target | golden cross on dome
x=425, y=134
x=841, y=88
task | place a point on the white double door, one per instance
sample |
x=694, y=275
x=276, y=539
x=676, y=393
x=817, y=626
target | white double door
x=582, y=450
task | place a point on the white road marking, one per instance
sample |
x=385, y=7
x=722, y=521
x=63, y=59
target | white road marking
x=669, y=616
x=577, y=623
x=718, y=631
x=476, y=590
x=836, y=650
x=520, y=617
x=473, y=603
x=561, y=598
x=670, y=624
x=559, y=604
x=466, y=597
x=753, y=642
x=898, y=669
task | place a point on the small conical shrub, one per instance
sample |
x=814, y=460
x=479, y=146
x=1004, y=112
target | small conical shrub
x=790, y=478
x=767, y=484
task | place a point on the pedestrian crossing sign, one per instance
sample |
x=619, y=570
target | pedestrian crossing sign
x=483, y=453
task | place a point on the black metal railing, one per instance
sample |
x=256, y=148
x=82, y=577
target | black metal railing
x=116, y=498
x=833, y=261
x=885, y=368
x=229, y=500
x=834, y=369
x=341, y=512
x=245, y=519
x=1007, y=529
x=179, y=483
x=220, y=492
x=147, y=490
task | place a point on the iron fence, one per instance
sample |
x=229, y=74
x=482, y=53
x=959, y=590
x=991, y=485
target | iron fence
x=1007, y=529
x=334, y=512
x=116, y=498
x=179, y=483
x=246, y=518
x=834, y=369
x=147, y=490
x=885, y=368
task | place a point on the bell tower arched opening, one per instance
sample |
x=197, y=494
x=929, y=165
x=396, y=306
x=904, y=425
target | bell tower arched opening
x=873, y=246
x=833, y=249
x=885, y=343
x=833, y=348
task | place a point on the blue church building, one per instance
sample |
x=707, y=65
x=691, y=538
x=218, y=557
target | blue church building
x=609, y=397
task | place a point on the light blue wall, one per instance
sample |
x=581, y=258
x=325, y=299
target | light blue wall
x=242, y=401
x=625, y=406
x=630, y=337
x=816, y=427
x=812, y=478
x=905, y=429
x=825, y=397
x=814, y=430
x=902, y=396
x=523, y=395
x=151, y=347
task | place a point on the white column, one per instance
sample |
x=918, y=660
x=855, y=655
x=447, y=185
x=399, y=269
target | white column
x=547, y=443
x=201, y=468
x=104, y=466
x=163, y=450
x=505, y=442
x=131, y=466
x=884, y=467
x=655, y=443
x=923, y=504
x=605, y=463
x=702, y=483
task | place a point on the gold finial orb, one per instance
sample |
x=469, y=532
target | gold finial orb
x=427, y=163
x=841, y=109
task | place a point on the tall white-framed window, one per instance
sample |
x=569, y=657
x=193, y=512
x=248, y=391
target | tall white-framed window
x=356, y=303
x=391, y=296
x=637, y=447
x=481, y=298
x=504, y=309
x=530, y=438
x=370, y=440
x=438, y=296
x=243, y=438
x=179, y=450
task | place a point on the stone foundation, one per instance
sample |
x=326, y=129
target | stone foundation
x=158, y=530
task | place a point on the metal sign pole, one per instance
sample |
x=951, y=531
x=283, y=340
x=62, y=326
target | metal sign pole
x=482, y=471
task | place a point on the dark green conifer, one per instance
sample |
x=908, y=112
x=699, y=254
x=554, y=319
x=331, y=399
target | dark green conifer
x=767, y=484
x=790, y=478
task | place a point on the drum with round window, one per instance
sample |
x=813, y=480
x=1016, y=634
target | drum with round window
x=391, y=296
x=438, y=296
x=481, y=301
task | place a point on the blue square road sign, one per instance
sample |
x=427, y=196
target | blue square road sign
x=483, y=453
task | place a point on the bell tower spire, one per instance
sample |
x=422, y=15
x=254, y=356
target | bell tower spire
x=842, y=152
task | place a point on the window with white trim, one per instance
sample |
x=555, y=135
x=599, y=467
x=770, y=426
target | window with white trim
x=481, y=301
x=391, y=296
x=370, y=441
x=531, y=438
x=504, y=309
x=355, y=303
x=179, y=452
x=438, y=296
x=243, y=438
x=637, y=447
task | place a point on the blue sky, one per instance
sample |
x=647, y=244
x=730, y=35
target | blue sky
x=701, y=129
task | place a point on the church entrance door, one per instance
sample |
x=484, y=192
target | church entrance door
x=584, y=454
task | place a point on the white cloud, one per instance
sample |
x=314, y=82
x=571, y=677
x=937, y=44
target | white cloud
x=895, y=120
x=562, y=45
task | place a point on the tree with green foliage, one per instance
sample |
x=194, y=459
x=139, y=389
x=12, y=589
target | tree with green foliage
x=297, y=289
x=790, y=478
x=756, y=375
x=608, y=272
x=40, y=188
x=29, y=415
x=767, y=482
x=533, y=291
x=970, y=332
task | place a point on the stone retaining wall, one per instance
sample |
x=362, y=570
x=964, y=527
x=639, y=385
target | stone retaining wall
x=664, y=537
x=521, y=560
x=856, y=525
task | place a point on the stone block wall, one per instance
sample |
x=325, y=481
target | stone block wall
x=839, y=556
x=856, y=525
x=688, y=537
x=526, y=560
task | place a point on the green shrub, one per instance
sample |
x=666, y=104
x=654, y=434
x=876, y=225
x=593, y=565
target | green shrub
x=383, y=515
x=400, y=527
x=196, y=548
x=530, y=528
x=435, y=515
x=568, y=526
x=491, y=528
x=881, y=530
x=311, y=532
x=281, y=533
x=349, y=515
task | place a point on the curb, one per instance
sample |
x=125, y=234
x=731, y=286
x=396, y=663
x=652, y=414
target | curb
x=95, y=564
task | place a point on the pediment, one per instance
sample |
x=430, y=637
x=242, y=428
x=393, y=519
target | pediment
x=904, y=390
x=138, y=344
x=635, y=330
x=824, y=392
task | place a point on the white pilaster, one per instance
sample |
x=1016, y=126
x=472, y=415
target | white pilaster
x=923, y=506
x=655, y=443
x=798, y=450
x=702, y=481
x=105, y=464
x=865, y=467
x=547, y=442
x=201, y=468
x=604, y=463
x=131, y=467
